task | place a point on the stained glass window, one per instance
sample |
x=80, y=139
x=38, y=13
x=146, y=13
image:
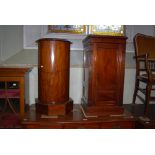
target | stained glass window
x=116, y=30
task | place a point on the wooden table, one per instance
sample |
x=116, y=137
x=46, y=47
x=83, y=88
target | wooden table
x=131, y=118
x=76, y=119
x=16, y=75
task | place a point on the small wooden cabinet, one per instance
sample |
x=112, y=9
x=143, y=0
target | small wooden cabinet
x=53, y=77
x=13, y=85
x=103, y=77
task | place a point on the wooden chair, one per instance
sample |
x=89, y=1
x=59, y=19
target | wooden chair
x=145, y=69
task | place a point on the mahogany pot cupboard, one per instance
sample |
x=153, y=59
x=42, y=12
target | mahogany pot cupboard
x=53, y=77
x=103, y=82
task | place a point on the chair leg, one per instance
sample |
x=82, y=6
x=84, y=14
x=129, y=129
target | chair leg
x=135, y=91
x=147, y=99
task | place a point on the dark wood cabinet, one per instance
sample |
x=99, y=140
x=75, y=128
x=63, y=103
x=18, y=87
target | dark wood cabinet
x=12, y=86
x=53, y=76
x=103, y=77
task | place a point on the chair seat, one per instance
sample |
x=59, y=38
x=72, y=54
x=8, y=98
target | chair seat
x=13, y=93
x=144, y=78
x=8, y=95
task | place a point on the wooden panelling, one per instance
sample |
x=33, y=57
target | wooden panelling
x=103, y=80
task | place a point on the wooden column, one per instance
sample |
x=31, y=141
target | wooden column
x=53, y=77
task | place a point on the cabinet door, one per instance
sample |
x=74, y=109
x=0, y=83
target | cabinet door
x=108, y=73
x=54, y=61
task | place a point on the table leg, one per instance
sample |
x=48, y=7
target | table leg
x=22, y=92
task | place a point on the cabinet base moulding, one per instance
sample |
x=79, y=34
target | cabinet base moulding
x=54, y=109
x=102, y=110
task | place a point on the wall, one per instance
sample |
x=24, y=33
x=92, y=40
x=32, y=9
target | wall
x=32, y=33
x=11, y=40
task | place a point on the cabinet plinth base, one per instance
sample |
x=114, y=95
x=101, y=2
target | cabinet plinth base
x=102, y=110
x=54, y=109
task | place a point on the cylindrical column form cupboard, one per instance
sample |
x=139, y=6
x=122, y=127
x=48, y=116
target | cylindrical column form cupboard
x=53, y=77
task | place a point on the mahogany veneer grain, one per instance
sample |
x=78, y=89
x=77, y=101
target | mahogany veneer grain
x=103, y=80
x=53, y=76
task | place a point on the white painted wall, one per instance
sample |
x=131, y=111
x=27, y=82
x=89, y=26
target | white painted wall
x=11, y=40
x=129, y=82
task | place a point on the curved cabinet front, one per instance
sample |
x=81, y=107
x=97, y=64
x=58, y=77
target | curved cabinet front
x=53, y=75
